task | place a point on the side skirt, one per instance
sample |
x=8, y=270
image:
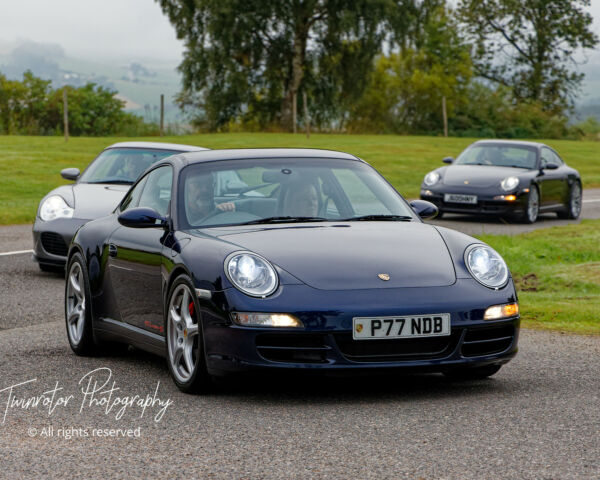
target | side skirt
x=111, y=330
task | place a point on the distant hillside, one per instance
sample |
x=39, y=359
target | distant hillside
x=139, y=84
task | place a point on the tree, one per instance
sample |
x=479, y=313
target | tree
x=406, y=88
x=249, y=60
x=529, y=46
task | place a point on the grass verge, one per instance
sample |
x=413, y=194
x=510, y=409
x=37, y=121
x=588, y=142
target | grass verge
x=30, y=166
x=557, y=273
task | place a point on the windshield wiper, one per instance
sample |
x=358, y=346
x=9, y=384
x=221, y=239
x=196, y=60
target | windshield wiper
x=377, y=218
x=284, y=220
x=113, y=182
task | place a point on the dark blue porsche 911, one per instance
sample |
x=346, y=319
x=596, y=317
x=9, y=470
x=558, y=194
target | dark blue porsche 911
x=313, y=261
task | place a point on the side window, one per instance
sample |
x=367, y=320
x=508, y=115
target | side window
x=557, y=159
x=133, y=197
x=547, y=157
x=157, y=190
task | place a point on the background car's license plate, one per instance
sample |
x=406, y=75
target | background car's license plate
x=458, y=198
x=370, y=328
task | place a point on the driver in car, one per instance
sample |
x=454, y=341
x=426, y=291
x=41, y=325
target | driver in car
x=199, y=198
x=131, y=167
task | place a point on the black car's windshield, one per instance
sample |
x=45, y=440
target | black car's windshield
x=499, y=155
x=122, y=165
x=270, y=191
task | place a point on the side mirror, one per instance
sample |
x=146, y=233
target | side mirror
x=142, y=217
x=448, y=160
x=551, y=166
x=425, y=210
x=70, y=173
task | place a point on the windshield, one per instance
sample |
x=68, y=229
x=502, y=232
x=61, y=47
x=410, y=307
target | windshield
x=122, y=165
x=499, y=156
x=261, y=191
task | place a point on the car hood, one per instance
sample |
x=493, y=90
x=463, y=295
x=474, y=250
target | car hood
x=351, y=255
x=478, y=175
x=92, y=200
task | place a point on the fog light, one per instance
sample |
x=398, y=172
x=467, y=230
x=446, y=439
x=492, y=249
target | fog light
x=501, y=311
x=266, y=320
x=506, y=198
x=427, y=193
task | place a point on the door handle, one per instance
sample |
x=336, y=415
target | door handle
x=112, y=250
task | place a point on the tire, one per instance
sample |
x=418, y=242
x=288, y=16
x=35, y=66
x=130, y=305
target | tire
x=472, y=373
x=185, y=352
x=78, y=314
x=573, y=205
x=532, y=209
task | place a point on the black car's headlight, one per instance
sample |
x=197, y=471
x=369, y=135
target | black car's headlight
x=251, y=274
x=55, y=207
x=431, y=178
x=486, y=266
x=509, y=183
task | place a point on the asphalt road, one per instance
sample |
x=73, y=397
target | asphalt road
x=538, y=418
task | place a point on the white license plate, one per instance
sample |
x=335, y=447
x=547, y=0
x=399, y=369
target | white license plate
x=372, y=328
x=458, y=198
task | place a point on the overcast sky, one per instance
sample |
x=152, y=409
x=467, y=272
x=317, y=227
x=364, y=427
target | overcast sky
x=123, y=29
x=135, y=29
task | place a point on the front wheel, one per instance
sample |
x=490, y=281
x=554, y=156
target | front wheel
x=185, y=341
x=472, y=373
x=573, y=205
x=532, y=208
x=78, y=316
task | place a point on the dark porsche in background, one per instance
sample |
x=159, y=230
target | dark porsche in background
x=317, y=264
x=512, y=179
x=95, y=193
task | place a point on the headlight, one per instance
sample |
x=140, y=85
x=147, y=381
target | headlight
x=509, y=183
x=55, y=207
x=251, y=274
x=486, y=266
x=431, y=178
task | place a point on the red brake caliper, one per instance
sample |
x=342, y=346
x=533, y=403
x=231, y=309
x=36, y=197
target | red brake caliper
x=191, y=308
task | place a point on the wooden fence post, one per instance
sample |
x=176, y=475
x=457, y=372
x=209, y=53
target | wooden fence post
x=445, y=115
x=162, y=114
x=306, y=119
x=65, y=114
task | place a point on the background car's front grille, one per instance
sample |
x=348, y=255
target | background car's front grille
x=53, y=243
x=396, y=349
x=489, y=340
x=293, y=347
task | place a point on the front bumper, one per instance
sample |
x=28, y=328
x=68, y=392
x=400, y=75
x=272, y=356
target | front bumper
x=326, y=343
x=51, y=239
x=487, y=204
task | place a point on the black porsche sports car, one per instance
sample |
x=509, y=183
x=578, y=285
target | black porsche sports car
x=317, y=264
x=95, y=193
x=505, y=178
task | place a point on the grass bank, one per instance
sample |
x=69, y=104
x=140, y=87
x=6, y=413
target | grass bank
x=30, y=166
x=557, y=273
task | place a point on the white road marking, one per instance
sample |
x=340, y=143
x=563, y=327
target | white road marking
x=592, y=200
x=17, y=252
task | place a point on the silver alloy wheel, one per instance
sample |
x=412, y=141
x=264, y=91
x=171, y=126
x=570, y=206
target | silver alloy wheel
x=533, y=205
x=575, y=203
x=182, y=334
x=75, y=299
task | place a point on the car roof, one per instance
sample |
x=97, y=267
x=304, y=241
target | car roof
x=517, y=143
x=157, y=146
x=243, y=153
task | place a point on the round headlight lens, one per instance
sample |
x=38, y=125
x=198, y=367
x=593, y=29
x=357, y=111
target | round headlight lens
x=509, y=183
x=486, y=265
x=55, y=207
x=431, y=178
x=251, y=274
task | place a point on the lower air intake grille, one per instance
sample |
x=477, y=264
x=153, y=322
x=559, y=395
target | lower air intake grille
x=292, y=348
x=486, y=341
x=397, y=349
x=53, y=243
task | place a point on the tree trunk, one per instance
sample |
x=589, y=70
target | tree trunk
x=298, y=53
